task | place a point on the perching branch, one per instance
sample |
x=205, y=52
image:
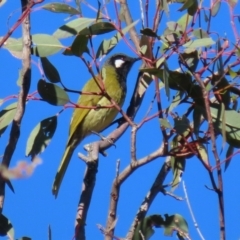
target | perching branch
x=24, y=89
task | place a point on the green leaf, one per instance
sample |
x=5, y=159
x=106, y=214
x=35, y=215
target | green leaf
x=164, y=6
x=6, y=227
x=20, y=77
x=181, y=124
x=184, y=21
x=41, y=136
x=160, y=61
x=50, y=71
x=231, y=122
x=193, y=9
x=232, y=73
x=204, y=42
x=175, y=223
x=200, y=33
x=166, y=79
x=6, y=116
x=107, y=45
x=52, y=94
x=13, y=44
x=148, y=32
x=191, y=58
x=60, y=8
x=178, y=167
x=164, y=123
x=144, y=228
x=79, y=45
x=176, y=100
x=176, y=80
x=229, y=157
x=202, y=151
x=45, y=45
x=73, y=27
x=215, y=8
x=98, y=28
x=187, y=4
x=197, y=113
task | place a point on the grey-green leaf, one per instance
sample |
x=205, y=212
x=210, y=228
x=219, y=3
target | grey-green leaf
x=204, y=42
x=164, y=123
x=73, y=27
x=50, y=71
x=6, y=116
x=98, y=28
x=52, y=94
x=215, y=8
x=79, y=45
x=60, y=8
x=41, y=136
x=229, y=157
x=45, y=45
x=107, y=45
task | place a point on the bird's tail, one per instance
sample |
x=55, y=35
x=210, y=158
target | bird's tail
x=62, y=169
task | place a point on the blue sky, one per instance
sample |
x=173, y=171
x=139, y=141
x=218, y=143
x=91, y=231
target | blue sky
x=32, y=208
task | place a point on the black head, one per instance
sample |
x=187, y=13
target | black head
x=122, y=63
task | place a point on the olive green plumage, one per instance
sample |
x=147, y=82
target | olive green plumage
x=114, y=73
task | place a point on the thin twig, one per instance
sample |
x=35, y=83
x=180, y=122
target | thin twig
x=191, y=211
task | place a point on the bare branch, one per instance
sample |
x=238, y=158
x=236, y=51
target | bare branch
x=156, y=187
x=24, y=89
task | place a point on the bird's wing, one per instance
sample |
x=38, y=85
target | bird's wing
x=87, y=101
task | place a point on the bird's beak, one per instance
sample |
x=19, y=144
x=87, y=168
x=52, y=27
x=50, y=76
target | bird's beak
x=137, y=59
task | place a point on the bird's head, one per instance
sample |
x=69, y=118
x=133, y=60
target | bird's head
x=122, y=63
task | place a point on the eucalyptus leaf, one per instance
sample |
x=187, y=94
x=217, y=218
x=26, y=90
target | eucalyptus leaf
x=181, y=124
x=148, y=32
x=41, y=136
x=107, y=45
x=204, y=42
x=174, y=222
x=187, y=4
x=193, y=8
x=144, y=228
x=98, y=28
x=228, y=157
x=164, y=123
x=79, y=45
x=60, y=8
x=52, y=94
x=215, y=8
x=178, y=167
x=73, y=27
x=50, y=71
x=6, y=116
x=231, y=124
x=176, y=100
x=45, y=45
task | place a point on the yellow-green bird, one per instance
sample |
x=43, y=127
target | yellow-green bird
x=114, y=74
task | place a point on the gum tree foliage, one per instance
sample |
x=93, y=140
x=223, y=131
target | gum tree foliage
x=191, y=70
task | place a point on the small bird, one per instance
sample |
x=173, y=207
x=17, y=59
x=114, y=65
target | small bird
x=114, y=74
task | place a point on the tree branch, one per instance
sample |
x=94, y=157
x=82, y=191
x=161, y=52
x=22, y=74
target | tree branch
x=24, y=89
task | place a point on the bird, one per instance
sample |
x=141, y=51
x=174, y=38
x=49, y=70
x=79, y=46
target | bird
x=84, y=121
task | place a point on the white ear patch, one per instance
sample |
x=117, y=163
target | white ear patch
x=118, y=63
